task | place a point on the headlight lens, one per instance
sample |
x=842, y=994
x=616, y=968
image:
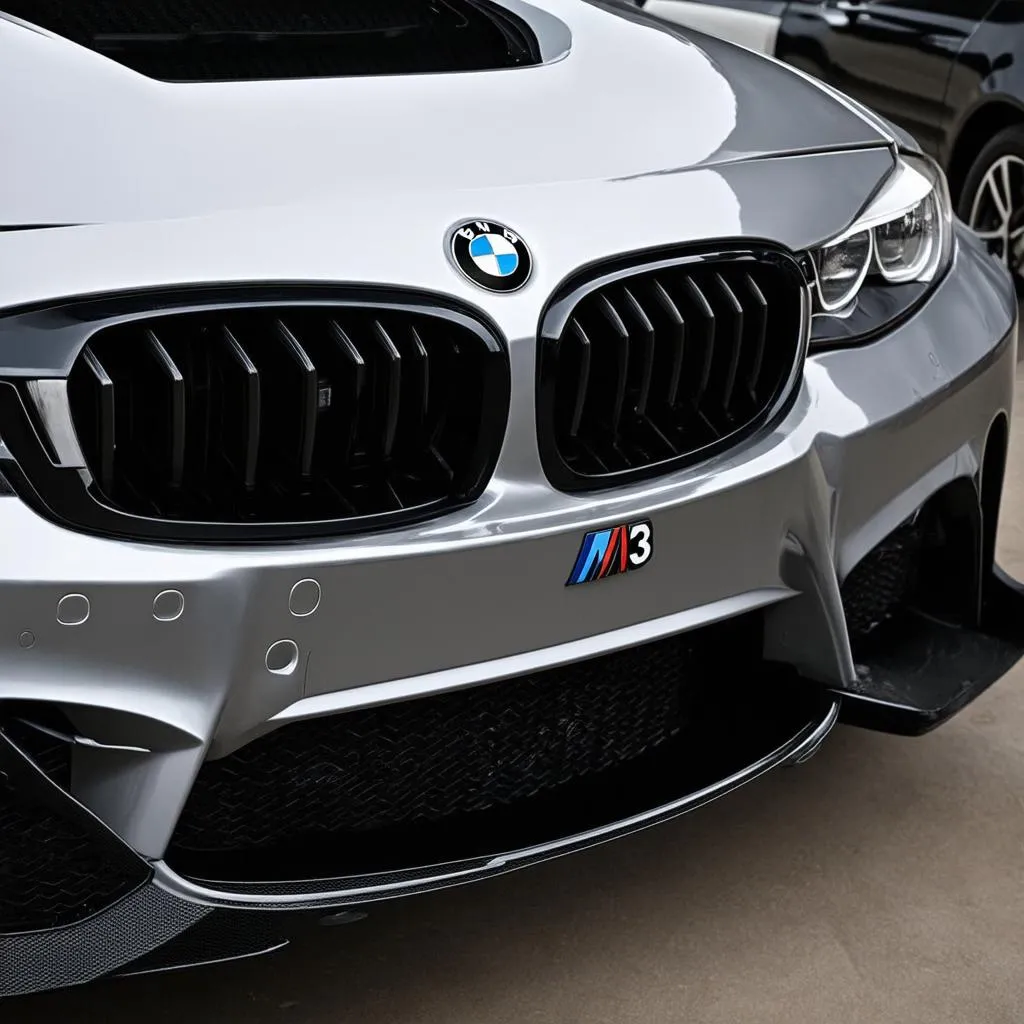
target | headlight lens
x=884, y=264
x=904, y=246
x=841, y=270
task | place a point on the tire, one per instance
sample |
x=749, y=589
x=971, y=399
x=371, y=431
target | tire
x=998, y=219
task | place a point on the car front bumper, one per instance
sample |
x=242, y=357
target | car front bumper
x=166, y=657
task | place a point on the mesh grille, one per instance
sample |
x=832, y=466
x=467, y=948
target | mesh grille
x=447, y=756
x=662, y=367
x=54, y=870
x=880, y=582
x=211, y=40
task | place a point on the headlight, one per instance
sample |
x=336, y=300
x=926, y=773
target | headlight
x=841, y=269
x=882, y=266
x=905, y=246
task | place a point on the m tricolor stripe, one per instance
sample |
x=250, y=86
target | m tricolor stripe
x=602, y=553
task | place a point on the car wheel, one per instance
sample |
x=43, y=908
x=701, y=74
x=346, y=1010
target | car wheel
x=992, y=200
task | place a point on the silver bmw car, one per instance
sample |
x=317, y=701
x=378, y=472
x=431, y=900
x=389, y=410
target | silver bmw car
x=437, y=437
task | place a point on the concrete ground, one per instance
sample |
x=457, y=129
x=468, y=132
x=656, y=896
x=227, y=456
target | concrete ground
x=883, y=881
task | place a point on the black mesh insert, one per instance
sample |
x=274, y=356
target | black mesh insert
x=214, y=40
x=54, y=869
x=448, y=757
x=881, y=582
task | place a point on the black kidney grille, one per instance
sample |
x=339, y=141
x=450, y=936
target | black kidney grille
x=289, y=414
x=661, y=367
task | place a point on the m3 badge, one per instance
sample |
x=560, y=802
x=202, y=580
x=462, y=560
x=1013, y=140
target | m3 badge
x=611, y=552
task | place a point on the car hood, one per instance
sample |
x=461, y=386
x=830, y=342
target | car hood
x=618, y=96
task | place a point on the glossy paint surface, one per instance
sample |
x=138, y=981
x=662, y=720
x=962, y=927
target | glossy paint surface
x=177, y=150
x=631, y=135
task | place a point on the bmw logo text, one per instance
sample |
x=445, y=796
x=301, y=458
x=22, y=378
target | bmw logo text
x=610, y=552
x=491, y=255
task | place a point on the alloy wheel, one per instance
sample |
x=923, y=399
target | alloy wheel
x=997, y=211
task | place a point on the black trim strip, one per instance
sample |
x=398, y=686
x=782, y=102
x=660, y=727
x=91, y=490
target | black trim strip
x=35, y=227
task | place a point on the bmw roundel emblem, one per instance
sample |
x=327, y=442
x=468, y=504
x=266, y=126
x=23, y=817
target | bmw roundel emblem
x=491, y=255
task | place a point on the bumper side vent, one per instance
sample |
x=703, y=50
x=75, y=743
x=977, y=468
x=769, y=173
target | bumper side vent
x=55, y=868
x=879, y=586
x=646, y=369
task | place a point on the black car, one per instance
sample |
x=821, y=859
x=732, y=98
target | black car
x=951, y=72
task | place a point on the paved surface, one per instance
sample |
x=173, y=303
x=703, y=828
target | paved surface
x=883, y=881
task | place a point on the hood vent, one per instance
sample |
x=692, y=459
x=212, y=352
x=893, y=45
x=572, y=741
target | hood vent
x=236, y=40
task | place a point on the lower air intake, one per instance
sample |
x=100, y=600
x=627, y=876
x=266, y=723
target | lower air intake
x=444, y=760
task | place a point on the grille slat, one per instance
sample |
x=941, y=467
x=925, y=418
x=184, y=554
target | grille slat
x=162, y=424
x=305, y=397
x=677, y=330
x=704, y=318
x=646, y=330
x=102, y=422
x=357, y=383
x=418, y=372
x=306, y=413
x=583, y=378
x=621, y=362
x=759, y=335
x=681, y=359
x=241, y=407
x=391, y=388
x=735, y=349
